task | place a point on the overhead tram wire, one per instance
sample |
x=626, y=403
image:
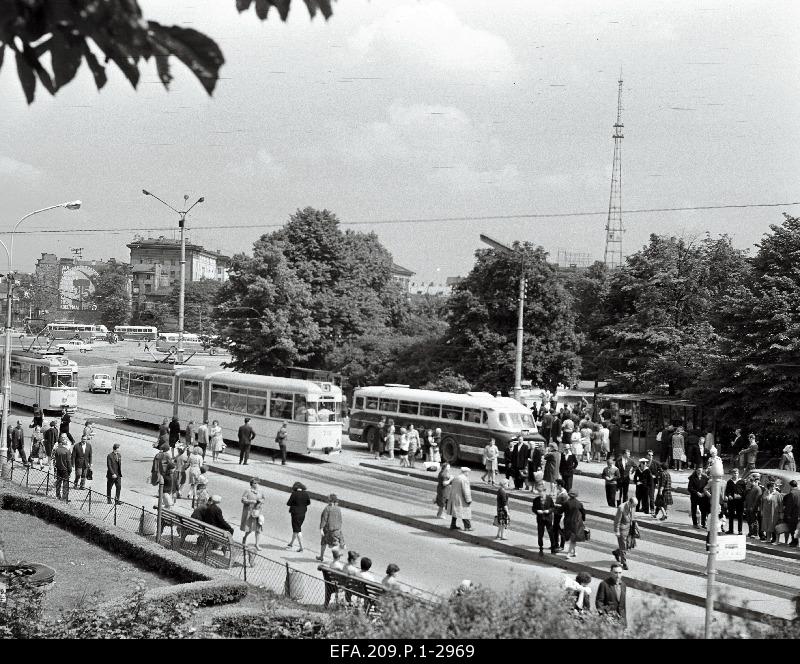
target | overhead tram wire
x=422, y=220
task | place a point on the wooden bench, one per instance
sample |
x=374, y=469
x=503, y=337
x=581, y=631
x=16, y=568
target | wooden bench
x=336, y=580
x=208, y=535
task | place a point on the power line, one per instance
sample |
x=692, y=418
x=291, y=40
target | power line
x=422, y=220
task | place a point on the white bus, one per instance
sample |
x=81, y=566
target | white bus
x=146, y=332
x=49, y=380
x=168, y=342
x=467, y=421
x=86, y=331
x=149, y=391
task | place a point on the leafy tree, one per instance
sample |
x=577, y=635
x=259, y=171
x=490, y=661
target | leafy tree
x=198, y=304
x=483, y=320
x=265, y=312
x=755, y=379
x=661, y=309
x=111, y=30
x=589, y=290
x=111, y=295
x=447, y=381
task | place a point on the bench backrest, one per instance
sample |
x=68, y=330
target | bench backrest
x=342, y=579
x=169, y=517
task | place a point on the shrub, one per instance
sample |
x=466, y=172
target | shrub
x=270, y=624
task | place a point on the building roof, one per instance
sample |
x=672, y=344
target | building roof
x=400, y=271
x=165, y=243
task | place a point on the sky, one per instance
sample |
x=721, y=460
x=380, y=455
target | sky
x=477, y=111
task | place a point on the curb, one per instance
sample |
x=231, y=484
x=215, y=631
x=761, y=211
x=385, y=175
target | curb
x=793, y=554
x=555, y=561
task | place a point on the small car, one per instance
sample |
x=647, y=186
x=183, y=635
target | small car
x=75, y=344
x=101, y=382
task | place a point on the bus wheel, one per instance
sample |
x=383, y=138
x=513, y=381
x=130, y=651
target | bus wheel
x=449, y=450
x=371, y=437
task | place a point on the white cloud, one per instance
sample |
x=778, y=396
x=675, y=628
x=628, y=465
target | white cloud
x=19, y=169
x=434, y=38
x=268, y=165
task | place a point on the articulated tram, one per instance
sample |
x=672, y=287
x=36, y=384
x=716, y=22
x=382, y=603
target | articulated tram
x=51, y=380
x=149, y=391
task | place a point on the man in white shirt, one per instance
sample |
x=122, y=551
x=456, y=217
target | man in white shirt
x=365, y=574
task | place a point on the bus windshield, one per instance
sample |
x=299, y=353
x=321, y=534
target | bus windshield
x=516, y=420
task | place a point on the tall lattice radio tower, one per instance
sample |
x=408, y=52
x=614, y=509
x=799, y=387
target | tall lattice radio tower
x=614, y=229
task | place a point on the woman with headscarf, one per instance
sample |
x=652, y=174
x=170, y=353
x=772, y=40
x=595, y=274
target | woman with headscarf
x=552, y=461
x=443, y=482
x=787, y=460
x=678, y=448
x=298, y=505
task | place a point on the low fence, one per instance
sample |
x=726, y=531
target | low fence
x=245, y=562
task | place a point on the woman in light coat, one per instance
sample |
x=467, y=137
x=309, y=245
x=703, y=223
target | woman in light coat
x=771, y=511
x=252, y=521
x=678, y=448
x=443, y=482
x=490, y=454
x=217, y=445
x=552, y=461
x=787, y=460
x=459, y=505
x=193, y=473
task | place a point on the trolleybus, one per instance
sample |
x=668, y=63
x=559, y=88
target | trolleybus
x=146, y=332
x=467, y=421
x=149, y=391
x=167, y=342
x=50, y=380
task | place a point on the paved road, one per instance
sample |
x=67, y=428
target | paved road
x=429, y=558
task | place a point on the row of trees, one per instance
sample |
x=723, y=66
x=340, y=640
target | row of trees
x=692, y=317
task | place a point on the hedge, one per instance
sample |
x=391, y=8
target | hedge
x=198, y=583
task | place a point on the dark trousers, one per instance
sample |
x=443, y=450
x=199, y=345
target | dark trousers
x=543, y=525
x=109, y=483
x=62, y=487
x=244, y=453
x=696, y=502
x=558, y=534
x=735, y=511
x=21, y=450
x=517, y=478
x=69, y=436
x=80, y=474
x=651, y=495
x=611, y=495
x=753, y=522
x=283, y=454
x=467, y=524
x=567, y=482
x=203, y=447
x=643, y=499
x=622, y=488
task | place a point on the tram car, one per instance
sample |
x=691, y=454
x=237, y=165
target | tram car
x=51, y=380
x=148, y=391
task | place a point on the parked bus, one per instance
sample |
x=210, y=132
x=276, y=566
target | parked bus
x=85, y=331
x=467, y=421
x=50, y=380
x=138, y=332
x=149, y=391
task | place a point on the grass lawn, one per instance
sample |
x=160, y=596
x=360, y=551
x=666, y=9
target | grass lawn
x=83, y=570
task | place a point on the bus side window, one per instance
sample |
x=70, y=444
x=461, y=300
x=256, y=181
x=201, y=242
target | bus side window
x=359, y=403
x=372, y=403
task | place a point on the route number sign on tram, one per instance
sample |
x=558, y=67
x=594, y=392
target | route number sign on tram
x=731, y=547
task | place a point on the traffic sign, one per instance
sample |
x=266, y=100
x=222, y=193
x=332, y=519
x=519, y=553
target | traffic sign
x=731, y=547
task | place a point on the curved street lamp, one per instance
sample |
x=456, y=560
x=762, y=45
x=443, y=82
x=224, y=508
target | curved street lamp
x=182, y=292
x=4, y=452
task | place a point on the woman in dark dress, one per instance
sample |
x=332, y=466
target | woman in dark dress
x=574, y=516
x=298, y=505
x=502, y=519
x=443, y=489
x=64, y=428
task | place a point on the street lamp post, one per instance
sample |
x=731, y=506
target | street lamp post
x=717, y=473
x=505, y=249
x=182, y=291
x=4, y=452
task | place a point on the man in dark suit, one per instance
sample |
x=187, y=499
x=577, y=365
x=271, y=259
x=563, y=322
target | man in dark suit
x=81, y=462
x=62, y=465
x=114, y=473
x=611, y=595
x=522, y=453
x=213, y=515
x=174, y=432
x=544, y=508
x=246, y=435
x=51, y=439
x=547, y=424
x=614, y=435
x=18, y=442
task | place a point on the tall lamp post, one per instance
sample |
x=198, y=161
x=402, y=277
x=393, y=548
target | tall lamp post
x=508, y=251
x=717, y=473
x=182, y=293
x=4, y=452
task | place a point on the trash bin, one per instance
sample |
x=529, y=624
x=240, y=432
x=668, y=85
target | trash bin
x=147, y=524
x=294, y=585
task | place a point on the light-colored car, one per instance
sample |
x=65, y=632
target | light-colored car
x=75, y=344
x=780, y=477
x=101, y=382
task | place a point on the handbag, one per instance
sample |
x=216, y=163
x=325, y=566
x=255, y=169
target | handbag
x=89, y=474
x=496, y=521
x=587, y=535
x=781, y=528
